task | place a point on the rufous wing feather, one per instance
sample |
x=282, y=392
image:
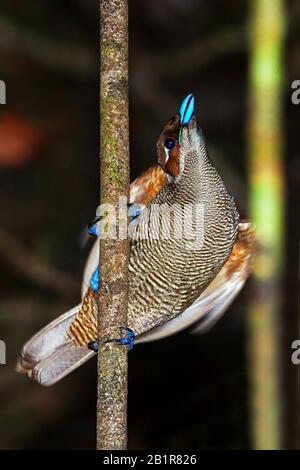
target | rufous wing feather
x=147, y=185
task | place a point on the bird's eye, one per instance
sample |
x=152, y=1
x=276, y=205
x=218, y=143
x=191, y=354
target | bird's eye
x=170, y=143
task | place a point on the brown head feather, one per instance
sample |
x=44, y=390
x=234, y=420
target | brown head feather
x=170, y=131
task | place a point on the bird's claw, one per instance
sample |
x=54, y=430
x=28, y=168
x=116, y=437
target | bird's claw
x=93, y=345
x=93, y=226
x=95, y=280
x=134, y=212
x=127, y=341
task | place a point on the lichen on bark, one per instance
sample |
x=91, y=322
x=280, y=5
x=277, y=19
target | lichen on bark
x=114, y=253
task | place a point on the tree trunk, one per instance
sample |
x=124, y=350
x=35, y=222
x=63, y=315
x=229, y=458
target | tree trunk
x=114, y=251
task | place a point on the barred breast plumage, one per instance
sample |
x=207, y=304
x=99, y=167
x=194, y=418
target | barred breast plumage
x=167, y=275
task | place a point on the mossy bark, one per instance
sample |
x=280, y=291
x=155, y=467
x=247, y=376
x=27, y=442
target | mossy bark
x=114, y=253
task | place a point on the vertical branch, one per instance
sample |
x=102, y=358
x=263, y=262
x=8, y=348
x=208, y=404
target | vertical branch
x=266, y=201
x=114, y=252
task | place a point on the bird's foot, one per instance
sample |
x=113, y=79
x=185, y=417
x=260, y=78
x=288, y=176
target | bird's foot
x=93, y=228
x=93, y=345
x=128, y=340
x=95, y=280
x=134, y=212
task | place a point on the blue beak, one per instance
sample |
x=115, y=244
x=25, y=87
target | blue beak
x=186, y=109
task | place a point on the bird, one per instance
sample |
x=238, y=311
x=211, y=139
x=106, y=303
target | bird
x=175, y=281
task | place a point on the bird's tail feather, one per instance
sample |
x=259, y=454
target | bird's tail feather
x=50, y=355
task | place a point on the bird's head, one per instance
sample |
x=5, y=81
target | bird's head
x=178, y=138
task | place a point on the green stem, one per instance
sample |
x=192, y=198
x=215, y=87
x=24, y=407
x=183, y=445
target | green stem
x=266, y=203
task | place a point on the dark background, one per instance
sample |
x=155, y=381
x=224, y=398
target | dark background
x=186, y=391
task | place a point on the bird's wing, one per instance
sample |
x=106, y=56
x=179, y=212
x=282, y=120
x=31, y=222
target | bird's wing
x=51, y=354
x=47, y=340
x=59, y=364
x=217, y=297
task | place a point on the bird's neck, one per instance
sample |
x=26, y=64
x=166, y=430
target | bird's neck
x=199, y=180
